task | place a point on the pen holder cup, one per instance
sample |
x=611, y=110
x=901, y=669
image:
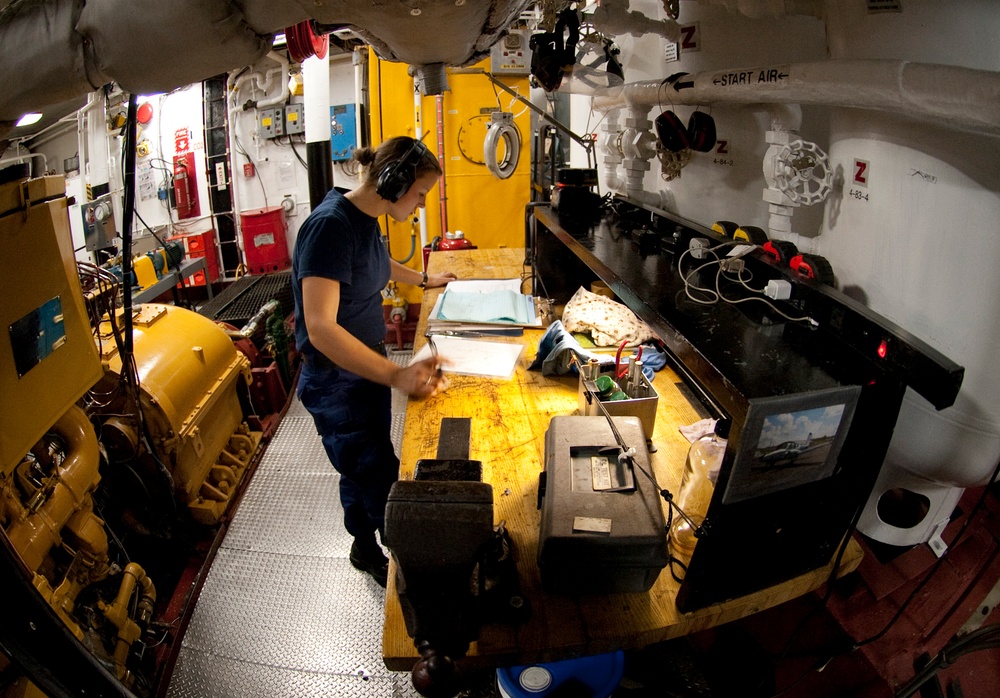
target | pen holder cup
x=642, y=407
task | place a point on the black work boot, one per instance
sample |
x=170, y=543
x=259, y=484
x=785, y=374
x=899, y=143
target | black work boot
x=368, y=557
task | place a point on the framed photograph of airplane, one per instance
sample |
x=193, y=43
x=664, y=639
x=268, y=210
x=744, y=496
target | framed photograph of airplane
x=790, y=440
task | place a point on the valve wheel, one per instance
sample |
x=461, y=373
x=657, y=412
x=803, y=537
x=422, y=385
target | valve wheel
x=802, y=173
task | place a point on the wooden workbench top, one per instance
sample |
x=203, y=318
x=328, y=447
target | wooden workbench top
x=508, y=423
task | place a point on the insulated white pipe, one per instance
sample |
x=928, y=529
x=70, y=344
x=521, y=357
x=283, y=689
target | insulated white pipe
x=21, y=158
x=963, y=99
x=760, y=9
x=236, y=174
x=283, y=79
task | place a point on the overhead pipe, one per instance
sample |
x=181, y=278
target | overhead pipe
x=963, y=99
x=765, y=9
x=264, y=86
x=59, y=128
x=21, y=158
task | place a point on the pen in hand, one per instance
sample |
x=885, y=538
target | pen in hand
x=434, y=354
x=437, y=376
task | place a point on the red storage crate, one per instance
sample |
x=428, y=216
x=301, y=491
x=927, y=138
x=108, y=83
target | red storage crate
x=265, y=240
x=200, y=245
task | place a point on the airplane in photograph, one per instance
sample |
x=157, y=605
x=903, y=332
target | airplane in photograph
x=788, y=451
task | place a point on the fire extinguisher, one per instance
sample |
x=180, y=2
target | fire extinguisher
x=451, y=241
x=455, y=241
x=185, y=186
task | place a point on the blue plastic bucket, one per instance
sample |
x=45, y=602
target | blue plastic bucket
x=601, y=673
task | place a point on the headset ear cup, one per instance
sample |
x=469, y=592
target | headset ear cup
x=671, y=132
x=701, y=131
x=396, y=179
x=393, y=182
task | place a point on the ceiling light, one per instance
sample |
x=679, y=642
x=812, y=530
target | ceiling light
x=29, y=119
x=279, y=41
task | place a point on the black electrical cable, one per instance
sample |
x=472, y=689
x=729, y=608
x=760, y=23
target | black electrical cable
x=128, y=209
x=699, y=530
x=297, y=156
x=129, y=369
x=242, y=151
x=981, y=639
x=163, y=244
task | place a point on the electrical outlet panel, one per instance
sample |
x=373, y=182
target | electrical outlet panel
x=272, y=122
x=294, y=122
x=343, y=131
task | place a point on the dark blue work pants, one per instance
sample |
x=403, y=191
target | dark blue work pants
x=353, y=416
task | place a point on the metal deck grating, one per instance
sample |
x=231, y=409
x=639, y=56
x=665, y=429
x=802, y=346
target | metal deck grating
x=282, y=612
x=241, y=300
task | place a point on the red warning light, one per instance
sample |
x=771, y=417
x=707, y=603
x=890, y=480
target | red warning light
x=883, y=349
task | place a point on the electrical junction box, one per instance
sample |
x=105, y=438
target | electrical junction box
x=272, y=122
x=343, y=131
x=511, y=55
x=294, y=123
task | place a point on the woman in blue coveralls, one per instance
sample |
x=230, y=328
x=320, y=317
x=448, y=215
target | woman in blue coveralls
x=339, y=270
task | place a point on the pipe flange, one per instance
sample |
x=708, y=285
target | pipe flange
x=502, y=128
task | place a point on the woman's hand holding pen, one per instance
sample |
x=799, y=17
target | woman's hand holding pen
x=421, y=378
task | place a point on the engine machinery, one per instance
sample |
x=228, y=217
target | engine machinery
x=91, y=442
x=188, y=369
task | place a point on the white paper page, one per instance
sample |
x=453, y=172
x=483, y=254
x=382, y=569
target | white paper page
x=474, y=357
x=484, y=285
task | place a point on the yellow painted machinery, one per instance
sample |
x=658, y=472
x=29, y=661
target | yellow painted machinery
x=49, y=452
x=188, y=371
x=106, y=465
x=47, y=507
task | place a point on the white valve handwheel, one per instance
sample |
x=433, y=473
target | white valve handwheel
x=802, y=173
x=502, y=128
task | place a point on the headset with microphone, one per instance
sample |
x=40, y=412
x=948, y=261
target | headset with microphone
x=394, y=181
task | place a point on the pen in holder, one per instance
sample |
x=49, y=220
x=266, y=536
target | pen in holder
x=631, y=395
